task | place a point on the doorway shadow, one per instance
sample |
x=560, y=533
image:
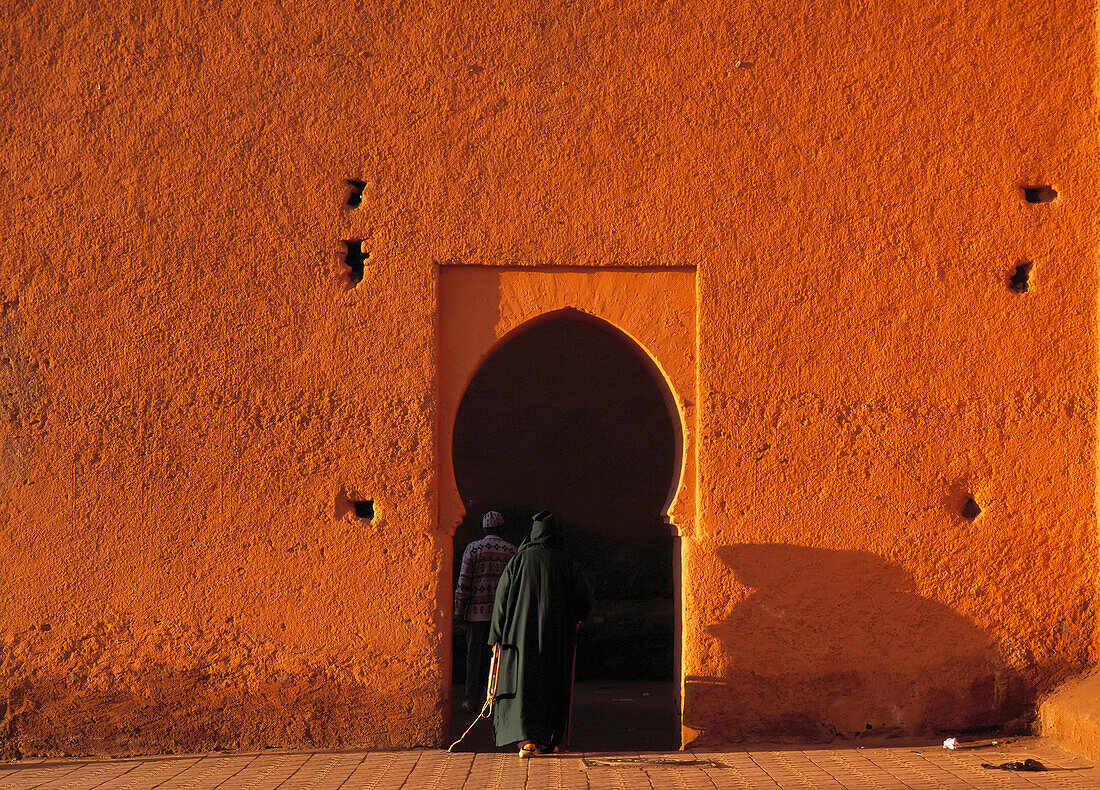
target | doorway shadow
x=833, y=644
x=566, y=415
x=607, y=716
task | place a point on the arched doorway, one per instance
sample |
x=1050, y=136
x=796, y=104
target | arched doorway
x=569, y=414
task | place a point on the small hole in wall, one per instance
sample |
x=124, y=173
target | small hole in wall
x=1040, y=194
x=364, y=508
x=355, y=259
x=356, y=195
x=1017, y=283
x=970, y=509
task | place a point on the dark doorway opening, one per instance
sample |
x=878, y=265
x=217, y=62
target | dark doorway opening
x=569, y=415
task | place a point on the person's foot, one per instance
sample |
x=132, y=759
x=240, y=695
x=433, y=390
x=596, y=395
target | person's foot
x=528, y=750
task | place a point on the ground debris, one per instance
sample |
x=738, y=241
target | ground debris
x=1027, y=765
x=954, y=743
x=649, y=762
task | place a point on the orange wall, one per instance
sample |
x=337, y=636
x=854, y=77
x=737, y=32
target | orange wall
x=192, y=390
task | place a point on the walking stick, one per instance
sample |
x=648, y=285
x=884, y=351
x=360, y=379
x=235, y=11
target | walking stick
x=490, y=695
x=572, y=686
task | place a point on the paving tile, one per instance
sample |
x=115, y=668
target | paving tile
x=22, y=776
x=146, y=773
x=87, y=775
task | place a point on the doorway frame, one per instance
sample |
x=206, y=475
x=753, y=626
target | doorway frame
x=479, y=308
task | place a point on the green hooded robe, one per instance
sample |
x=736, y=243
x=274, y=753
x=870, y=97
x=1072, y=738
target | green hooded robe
x=541, y=597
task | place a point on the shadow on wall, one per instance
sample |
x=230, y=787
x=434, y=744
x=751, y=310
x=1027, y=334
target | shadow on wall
x=830, y=644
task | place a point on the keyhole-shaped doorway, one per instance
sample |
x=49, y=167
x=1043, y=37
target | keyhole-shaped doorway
x=569, y=415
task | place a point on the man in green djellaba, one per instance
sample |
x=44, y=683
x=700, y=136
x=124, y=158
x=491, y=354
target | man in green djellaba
x=541, y=599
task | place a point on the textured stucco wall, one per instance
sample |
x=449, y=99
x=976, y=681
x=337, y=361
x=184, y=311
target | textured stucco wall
x=865, y=368
x=191, y=389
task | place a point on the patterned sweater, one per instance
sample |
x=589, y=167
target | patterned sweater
x=482, y=563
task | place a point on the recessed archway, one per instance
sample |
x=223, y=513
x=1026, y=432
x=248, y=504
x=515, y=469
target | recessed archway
x=481, y=308
x=569, y=414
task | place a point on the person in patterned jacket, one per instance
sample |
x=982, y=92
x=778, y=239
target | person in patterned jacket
x=482, y=563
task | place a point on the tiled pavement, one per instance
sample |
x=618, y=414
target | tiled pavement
x=880, y=767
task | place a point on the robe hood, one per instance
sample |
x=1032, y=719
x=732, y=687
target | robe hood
x=545, y=531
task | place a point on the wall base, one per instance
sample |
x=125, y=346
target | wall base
x=1071, y=716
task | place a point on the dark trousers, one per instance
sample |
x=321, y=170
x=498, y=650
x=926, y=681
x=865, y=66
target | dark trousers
x=477, y=663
